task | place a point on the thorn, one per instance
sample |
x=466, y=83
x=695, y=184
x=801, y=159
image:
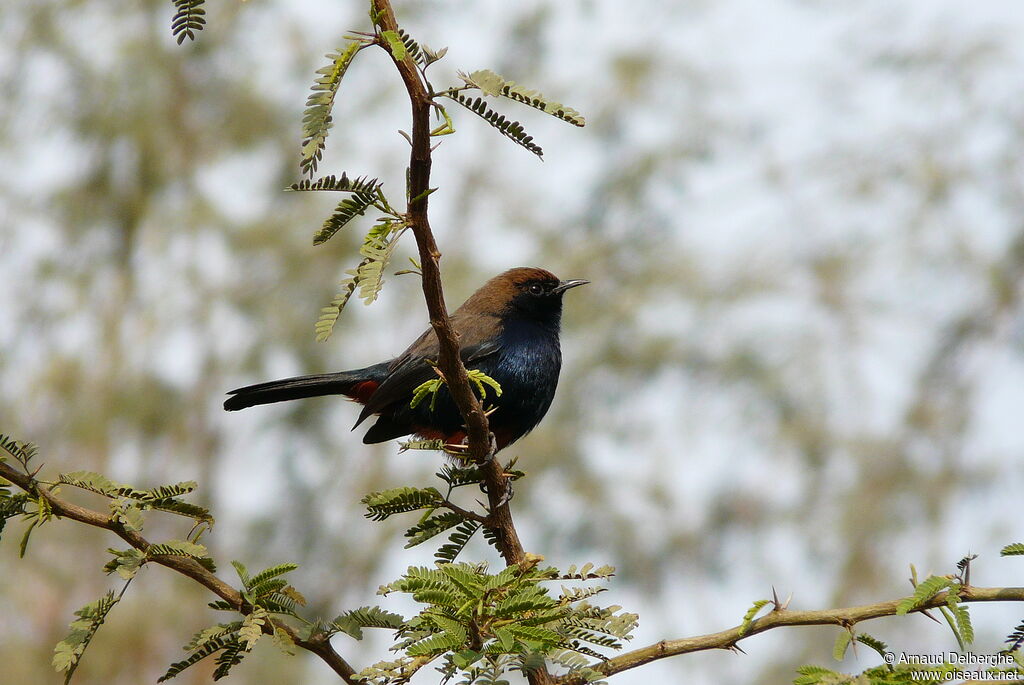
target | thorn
x=436, y=145
x=734, y=647
x=780, y=606
x=406, y=136
x=925, y=612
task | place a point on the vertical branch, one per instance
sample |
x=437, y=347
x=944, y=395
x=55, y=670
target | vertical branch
x=449, y=362
x=480, y=440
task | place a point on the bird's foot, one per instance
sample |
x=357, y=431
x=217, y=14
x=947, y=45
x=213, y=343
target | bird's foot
x=506, y=496
x=492, y=448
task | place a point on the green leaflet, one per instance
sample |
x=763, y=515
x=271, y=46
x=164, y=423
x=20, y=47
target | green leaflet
x=266, y=591
x=456, y=541
x=252, y=627
x=430, y=527
x=880, y=647
x=812, y=675
x=422, y=56
x=189, y=18
x=125, y=563
x=11, y=505
x=368, y=276
x=67, y=655
x=512, y=130
x=492, y=84
x=924, y=591
x=479, y=379
x=381, y=505
x=841, y=644
x=347, y=210
x=317, y=119
x=182, y=548
x=23, y=452
x=437, y=643
x=752, y=612
x=129, y=501
x=352, y=622
x=395, y=44
x=1015, y=549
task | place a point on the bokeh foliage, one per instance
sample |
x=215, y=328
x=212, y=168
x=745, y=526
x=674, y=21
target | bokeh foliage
x=796, y=365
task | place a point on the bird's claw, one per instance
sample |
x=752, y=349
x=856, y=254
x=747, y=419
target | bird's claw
x=492, y=448
x=506, y=496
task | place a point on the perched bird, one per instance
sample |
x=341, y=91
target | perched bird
x=508, y=329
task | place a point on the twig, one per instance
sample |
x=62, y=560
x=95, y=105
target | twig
x=183, y=565
x=727, y=639
x=464, y=513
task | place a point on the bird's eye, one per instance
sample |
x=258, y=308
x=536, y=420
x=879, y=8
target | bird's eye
x=536, y=289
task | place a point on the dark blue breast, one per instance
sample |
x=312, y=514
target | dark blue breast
x=526, y=366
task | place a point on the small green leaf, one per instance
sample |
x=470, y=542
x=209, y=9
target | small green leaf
x=395, y=44
x=842, y=643
x=381, y=505
x=505, y=638
x=182, y=548
x=1015, y=549
x=127, y=513
x=486, y=80
x=434, y=525
x=873, y=643
x=252, y=627
x=125, y=563
x=812, y=675
x=748, y=617
x=68, y=652
x=421, y=391
x=189, y=17
x=317, y=119
x=924, y=591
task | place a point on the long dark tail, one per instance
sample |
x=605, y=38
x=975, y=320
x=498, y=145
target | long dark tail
x=357, y=384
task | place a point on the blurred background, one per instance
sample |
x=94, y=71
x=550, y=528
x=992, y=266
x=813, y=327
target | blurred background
x=799, y=364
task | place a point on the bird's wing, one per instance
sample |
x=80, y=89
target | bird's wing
x=410, y=369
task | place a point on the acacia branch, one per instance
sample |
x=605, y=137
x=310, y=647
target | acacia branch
x=448, y=360
x=480, y=442
x=481, y=449
x=846, y=618
x=184, y=565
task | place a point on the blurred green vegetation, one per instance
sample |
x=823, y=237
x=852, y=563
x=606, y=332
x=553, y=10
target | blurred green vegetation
x=798, y=363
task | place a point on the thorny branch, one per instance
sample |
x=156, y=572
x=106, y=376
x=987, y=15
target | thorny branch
x=481, y=449
x=480, y=441
x=184, y=565
x=845, y=617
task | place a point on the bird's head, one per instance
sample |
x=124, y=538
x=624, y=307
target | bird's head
x=524, y=291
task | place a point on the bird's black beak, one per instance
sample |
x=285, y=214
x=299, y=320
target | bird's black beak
x=565, y=285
